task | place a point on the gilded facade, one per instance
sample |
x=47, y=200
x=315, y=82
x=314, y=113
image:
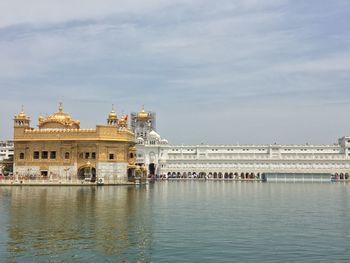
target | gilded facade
x=59, y=148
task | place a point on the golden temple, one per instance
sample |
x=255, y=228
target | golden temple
x=59, y=147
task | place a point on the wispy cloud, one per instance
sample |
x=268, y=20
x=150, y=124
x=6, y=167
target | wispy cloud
x=225, y=63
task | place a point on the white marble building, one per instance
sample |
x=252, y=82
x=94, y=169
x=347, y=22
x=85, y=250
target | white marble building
x=6, y=150
x=237, y=161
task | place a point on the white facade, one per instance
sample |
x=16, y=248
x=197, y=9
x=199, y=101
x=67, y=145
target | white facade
x=241, y=161
x=6, y=150
x=150, y=151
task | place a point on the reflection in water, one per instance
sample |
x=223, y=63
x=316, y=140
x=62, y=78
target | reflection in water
x=177, y=222
x=78, y=224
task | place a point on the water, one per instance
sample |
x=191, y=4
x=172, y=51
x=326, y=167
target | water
x=177, y=222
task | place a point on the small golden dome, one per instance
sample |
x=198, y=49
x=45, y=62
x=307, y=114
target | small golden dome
x=22, y=115
x=112, y=115
x=143, y=115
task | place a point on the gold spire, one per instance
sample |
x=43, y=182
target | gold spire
x=60, y=109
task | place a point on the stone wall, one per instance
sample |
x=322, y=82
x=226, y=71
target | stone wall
x=63, y=171
x=26, y=170
x=112, y=171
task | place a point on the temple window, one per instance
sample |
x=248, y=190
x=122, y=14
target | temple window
x=81, y=155
x=87, y=155
x=53, y=155
x=93, y=155
x=111, y=156
x=66, y=155
x=36, y=155
x=131, y=155
x=21, y=156
x=44, y=155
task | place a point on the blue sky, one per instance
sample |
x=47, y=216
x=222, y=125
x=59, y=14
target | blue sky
x=246, y=71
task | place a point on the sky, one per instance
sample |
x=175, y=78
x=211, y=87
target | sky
x=218, y=72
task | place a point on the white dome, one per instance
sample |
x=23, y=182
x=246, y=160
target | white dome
x=154, y=135
x=164, y=141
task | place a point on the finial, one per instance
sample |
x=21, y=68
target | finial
x=22, y=108
x=112, y=107
x=60, y=107
x=143, y=107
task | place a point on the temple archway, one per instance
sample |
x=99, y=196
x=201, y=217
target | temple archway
x=202, y=175
x=129, y=174
x=152, y=169
x=86, y=172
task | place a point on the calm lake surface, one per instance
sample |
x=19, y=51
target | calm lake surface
x=190, y=221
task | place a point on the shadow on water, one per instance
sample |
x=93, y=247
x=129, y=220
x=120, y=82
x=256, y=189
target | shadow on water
x=82, y=224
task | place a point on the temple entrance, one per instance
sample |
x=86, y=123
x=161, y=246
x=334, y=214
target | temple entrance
x=152, y=169
x=87, y=174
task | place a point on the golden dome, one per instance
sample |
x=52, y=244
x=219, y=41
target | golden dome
x=59, y=119
x=112, y=115
x=143, y=114
x=22, y=115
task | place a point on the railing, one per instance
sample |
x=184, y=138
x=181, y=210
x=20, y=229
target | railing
x=45, y=180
